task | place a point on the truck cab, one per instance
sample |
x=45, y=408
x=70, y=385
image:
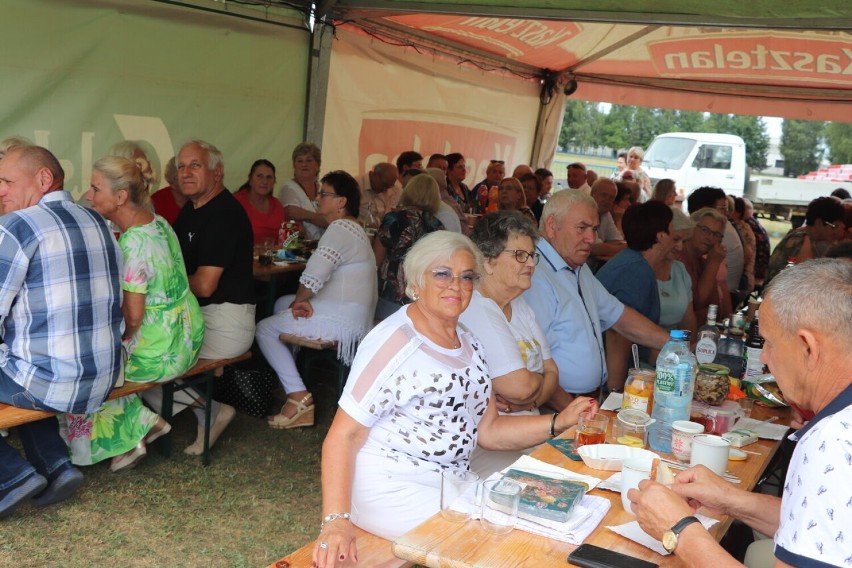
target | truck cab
x=696, y=159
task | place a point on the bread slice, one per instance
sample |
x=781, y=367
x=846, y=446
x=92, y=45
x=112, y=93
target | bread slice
x=661, y=473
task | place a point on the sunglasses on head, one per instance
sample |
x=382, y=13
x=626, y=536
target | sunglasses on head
x=501, y=162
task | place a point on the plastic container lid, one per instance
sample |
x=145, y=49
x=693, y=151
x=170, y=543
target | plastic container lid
x=681, y=334
x=635, y=419
x=713, y=369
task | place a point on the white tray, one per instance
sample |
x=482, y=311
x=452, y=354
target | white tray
x=608, y=457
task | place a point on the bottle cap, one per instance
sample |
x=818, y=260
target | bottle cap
x=681, y=334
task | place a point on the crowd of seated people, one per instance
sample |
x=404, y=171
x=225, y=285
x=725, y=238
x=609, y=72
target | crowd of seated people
x=516, y=310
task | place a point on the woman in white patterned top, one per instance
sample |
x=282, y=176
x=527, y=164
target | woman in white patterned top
x=417, y=401
x=336, y=297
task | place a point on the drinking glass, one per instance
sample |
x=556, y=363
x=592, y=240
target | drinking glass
x=458, y=494
x=500, y=498
x=591, y=429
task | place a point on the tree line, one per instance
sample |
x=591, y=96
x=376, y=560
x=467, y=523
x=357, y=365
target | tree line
x=803, y=143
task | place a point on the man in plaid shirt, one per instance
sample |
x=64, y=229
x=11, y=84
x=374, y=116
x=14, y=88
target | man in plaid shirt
x=60, y=308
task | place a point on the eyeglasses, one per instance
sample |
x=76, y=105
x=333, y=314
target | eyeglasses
x=827, y=224
x=708, y=231
x=444, y=277
x=325, y=193
x=501, y=162
x=523, y=256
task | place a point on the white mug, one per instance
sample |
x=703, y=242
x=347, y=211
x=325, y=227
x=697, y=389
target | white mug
x=633, y=471
x=710, y=451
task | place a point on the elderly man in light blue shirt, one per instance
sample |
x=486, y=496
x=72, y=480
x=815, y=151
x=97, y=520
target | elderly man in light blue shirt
x=572, y=306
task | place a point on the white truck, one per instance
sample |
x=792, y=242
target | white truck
x=696, y=159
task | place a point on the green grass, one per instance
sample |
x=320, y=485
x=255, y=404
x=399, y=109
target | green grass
x=257, y=501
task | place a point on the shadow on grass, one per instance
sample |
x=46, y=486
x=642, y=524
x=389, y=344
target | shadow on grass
x=257, y=501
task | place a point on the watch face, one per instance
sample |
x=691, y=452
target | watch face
x=669, y=540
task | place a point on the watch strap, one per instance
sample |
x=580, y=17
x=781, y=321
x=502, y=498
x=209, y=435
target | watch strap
x=683, y=523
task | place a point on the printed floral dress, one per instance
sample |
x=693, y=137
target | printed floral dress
x=165, y=346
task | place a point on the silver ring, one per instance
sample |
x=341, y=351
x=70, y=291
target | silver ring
x=323, y=545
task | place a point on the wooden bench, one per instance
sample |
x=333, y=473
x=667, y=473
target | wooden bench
x=320, y=350
x=373, y=551
x=200, y=374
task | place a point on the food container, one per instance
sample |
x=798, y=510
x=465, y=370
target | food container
x=740, y=437
x=720, y=420
x=764, y=390
x=639, y=390
x=631, y=428
x=712, y=384
x=608, y=457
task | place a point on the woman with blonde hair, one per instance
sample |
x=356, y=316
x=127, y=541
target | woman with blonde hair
x=418, y=400
x=163, y=323
x=300, y=195
x=400, y=229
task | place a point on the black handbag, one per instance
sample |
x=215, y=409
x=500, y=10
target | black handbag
x=247, y=390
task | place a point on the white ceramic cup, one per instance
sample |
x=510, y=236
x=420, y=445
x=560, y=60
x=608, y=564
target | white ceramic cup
x=633, y=471
x=500, y=498
x=682, y=433
x=711, y=452
x=458, y=494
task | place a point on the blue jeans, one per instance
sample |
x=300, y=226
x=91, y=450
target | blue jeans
x=45, y=449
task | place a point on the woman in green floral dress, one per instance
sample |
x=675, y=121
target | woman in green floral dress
x=164, y=326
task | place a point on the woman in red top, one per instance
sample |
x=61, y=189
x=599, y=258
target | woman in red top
x=264, y=211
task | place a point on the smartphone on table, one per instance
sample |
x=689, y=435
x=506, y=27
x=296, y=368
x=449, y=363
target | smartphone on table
x=591, y=556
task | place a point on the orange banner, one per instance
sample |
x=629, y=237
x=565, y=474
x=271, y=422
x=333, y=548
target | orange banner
x=758, y=56
x=527, y=41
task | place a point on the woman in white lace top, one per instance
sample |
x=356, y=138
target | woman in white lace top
x=336, y=297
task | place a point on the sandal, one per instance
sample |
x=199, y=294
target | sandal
x=304, y=415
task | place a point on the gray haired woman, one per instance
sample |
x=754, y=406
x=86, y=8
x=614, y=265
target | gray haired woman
x=417, y=401
x=523, y=373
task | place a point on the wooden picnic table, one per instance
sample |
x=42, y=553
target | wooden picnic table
x=438, y=543
x=270, y=274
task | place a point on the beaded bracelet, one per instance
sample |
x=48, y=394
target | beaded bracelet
x=333, y=517
x=553, y=425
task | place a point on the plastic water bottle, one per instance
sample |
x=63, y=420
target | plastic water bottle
x=673, y=386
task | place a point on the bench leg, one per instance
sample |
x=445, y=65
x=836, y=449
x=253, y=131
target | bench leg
x=168, y=402
x=208, y=394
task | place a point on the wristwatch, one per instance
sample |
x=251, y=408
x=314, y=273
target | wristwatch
x=670, y=536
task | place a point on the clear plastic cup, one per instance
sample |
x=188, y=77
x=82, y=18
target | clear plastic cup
x=458, y=494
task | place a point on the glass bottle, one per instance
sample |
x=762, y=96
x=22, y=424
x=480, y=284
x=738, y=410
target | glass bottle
x=708, y=338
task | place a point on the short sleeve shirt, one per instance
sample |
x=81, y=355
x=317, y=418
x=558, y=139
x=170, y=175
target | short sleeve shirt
x=816, y=505
x=675, y=296
x=509, y=345
x=422, y=402
x=219, y=234
x=630, y=278
x=608, y=232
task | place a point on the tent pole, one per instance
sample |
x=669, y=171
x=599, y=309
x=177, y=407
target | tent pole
x=547, y=128
x=318, y=69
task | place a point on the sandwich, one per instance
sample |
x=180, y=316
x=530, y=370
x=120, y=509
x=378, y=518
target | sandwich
x=661, y=473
